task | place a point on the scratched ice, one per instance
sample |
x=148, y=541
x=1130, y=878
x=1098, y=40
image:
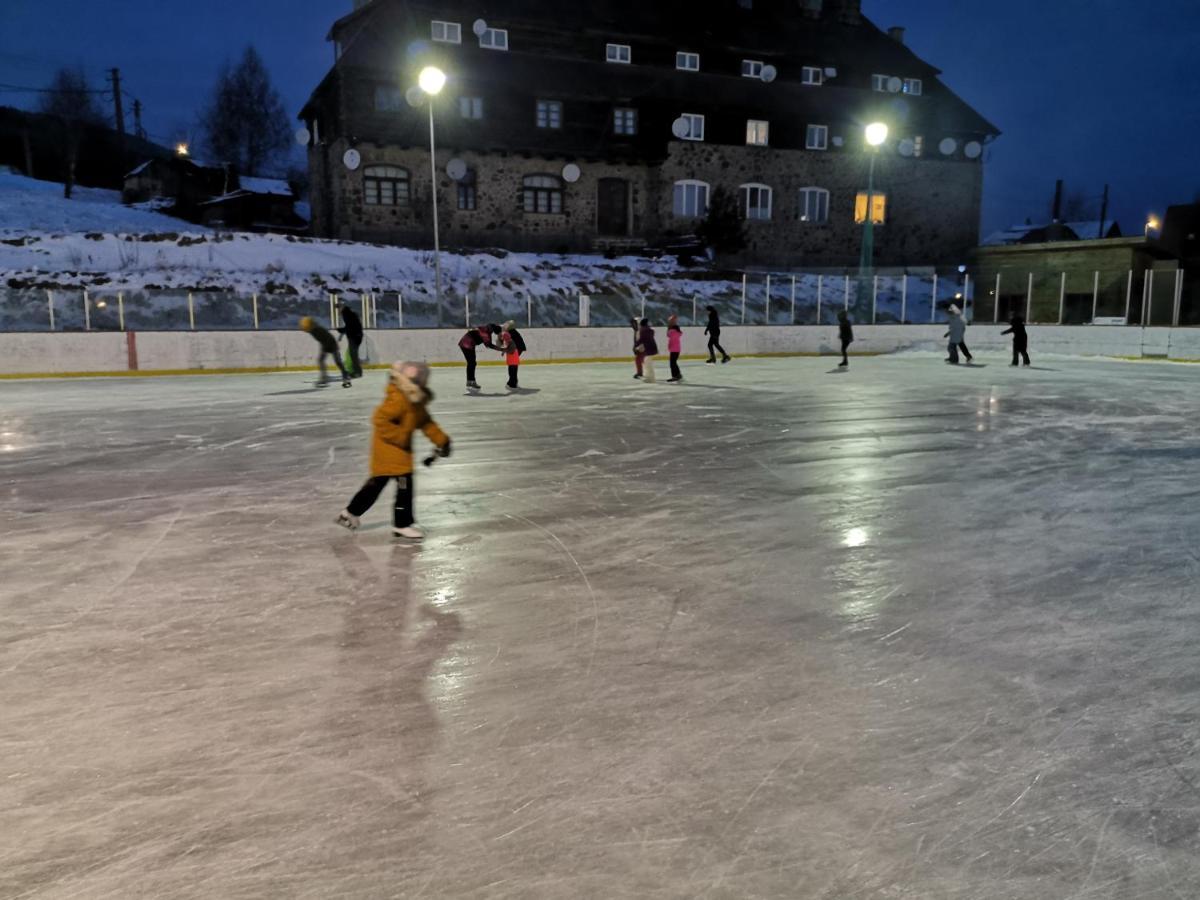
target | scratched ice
x=907, y=632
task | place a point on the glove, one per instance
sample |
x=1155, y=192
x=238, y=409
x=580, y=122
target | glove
x=444, y=450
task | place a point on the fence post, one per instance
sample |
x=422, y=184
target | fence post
x=1128, y=295
x=933, y=301
x=874, y=297
x=743, y=298
x=365, y=306
x=904, y=298
x=254, y=305
x=996, y=301
x=399, y=310
x=1029, y=300
x=87, y=311
x=694, y=298
x=529, y=310
x=1148, y=306
x=121, y=309
x=467, y=309
x=820, y=291
x=50, y=306
x=1062, y=297
x=191, y=312
x=967, y=298
x=1095, y=295
x=1178, y=296
x=768, y=307
x=846, y=299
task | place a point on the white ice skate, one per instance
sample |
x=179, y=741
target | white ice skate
x=346, y=520
x=411, y=533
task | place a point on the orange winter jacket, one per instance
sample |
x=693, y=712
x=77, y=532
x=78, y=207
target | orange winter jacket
x=401, y=413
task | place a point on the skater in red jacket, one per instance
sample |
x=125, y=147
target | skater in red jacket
x=472, y=339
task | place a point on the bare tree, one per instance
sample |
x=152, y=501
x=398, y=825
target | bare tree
x=71, y=100
x=245, y=123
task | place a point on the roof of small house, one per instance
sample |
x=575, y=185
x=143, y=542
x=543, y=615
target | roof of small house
x=1040, y=233
x=274, y=186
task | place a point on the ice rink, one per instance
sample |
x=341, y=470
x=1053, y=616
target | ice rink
x=904, y=633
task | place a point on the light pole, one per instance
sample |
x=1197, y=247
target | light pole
x=1152, y=224
x=431, y=81
x=876, y=134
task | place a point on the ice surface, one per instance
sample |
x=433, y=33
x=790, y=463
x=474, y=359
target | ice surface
x=905, y=632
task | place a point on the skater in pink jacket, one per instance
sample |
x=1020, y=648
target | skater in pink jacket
x=674, y=347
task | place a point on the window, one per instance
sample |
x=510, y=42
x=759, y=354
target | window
x=447, y=32
x=913, y=86
x=385, y=186
x=618, y=53
x=918, y=146
x=494, y=39
x=757, y=132
x=752, y=68
x=542, y=194
x=688, y=62
x=549, y=114
x=814, y=206
x=470, y=107
x=817, y=137
x=388, y=98
x=691, y=199
x=878, y=208
x=466, y=196
x=695, y=127
x=624, y=121
x=880, y=82
x=812, y=75
x=756, y=201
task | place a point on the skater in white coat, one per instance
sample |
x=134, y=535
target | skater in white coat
x=957, y=333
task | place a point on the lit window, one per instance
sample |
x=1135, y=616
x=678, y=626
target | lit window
x=494, y=39
x=688, y=62
x=913, y=86
x=752, y=68
x=816, y=137
x=814, y=206
x=691, y=199
x=466, y=197
x=812, y=75
x=756, y=201
x=624, y=121
x=447, y=32
x=470, y=107
x=880, y=83
x=385, y=186
x=757, y=132
x=878, y=208
x=549, y=114
x=695, y=127
x=618, y=53
x=542, y=194
x=388, y=98
x=918, y=145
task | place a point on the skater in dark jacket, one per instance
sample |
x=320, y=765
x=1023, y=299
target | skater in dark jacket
x=329, y=347
x=472, y=339
x=352, y=329
x=846, y=335
x=957, y=333
x=648, y=347
x=714, y=337
x=1016, y=327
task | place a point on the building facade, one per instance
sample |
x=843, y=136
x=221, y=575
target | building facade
x=583, y=127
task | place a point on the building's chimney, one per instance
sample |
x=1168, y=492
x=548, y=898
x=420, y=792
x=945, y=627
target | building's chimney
x=896, y=33
x=1056, y=214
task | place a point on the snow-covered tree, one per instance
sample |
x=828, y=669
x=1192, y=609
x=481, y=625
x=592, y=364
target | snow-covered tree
x=245, y=123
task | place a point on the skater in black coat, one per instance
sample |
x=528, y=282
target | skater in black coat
x=352, y=329
x=329, y=347
x=714, y=337
x=1016, y=327
x=846, y=335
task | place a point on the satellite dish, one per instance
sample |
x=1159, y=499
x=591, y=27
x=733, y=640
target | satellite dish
x=303, y=137
x=831, y=72
x=769, y=73
x=681, y=128
x=838, y=141
x=907, y=147
x=894, y=85
x=415, y=96
x=973, y=150
x=479, y=27
x=456, y=169
x=948, y=146
x=352, y=159
x=571, y=173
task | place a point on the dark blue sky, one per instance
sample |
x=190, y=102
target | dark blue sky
x=1092, y=91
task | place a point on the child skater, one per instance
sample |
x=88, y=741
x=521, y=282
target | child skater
x=472, y=339
x=714, y=337
x=846, y=334
x=329, y=347
x=403, y=411
x=1016, y=327
x=674, y=347
x=957, y=332
x=638, y=358
x=512, y=345
x=648, y=347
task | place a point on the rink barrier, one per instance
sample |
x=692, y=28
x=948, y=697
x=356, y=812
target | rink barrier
x=76, y=354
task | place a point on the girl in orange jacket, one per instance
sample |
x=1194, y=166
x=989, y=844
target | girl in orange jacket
x=402, y=412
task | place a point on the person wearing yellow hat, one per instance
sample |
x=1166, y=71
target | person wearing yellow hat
x=329, y=347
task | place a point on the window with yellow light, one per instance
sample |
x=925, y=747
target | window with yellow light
x=878, y=208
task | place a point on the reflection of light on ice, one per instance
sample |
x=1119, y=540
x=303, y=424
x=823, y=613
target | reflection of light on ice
x=855, y=537
x=441, y=598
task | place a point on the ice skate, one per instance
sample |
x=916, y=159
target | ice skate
x=843, y=365
x=347, y=383
x=409, y=533
x=473, y=386
x=346, y=520
x=637, y=377
x=726, y=359
x=710, y=362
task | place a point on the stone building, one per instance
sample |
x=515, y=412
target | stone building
x=584, y=127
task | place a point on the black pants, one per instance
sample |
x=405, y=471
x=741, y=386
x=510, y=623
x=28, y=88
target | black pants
x=469, y=355
x=402, y=517
x=675, y=373
x=337, y=358
x=1021, y=350
x=512, y=376
x=355, y=362
x=845, y=347
x=961, y=345
x=714, y=341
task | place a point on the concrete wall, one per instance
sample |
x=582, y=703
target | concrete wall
x=26, y=354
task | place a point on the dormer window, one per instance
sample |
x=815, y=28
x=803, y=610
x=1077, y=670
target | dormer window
x=494, y=39
x=446, y=32
x=757, y=132
x=913, y=86
x=880, y=83
x=752, y=68
x=618, y=53
x=811, y=75
x=687, y=62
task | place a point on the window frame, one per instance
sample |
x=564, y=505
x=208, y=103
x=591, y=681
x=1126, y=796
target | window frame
x=470, y=107
x=687, y=55
x=750, y=64
x=744, y=193
x=379, y=175
x=804, y=205
x=616, y=60
x=918, y=146
x=679, y=202
x=466, y=191
x=879, y=202
x=819, y=76
x=445, y=38
x=625, y=125
x=814, y=129
x=693, y=118
x=553, y=114
x=758, y=128
x=491, y=34
x=879, y=83
x=550, y=189
x=909, y=83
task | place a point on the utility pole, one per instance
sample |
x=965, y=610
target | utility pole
x=115, y=75
x=138, y=131
x=1103, y=213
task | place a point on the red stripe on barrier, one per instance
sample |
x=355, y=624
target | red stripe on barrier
x=131, y=349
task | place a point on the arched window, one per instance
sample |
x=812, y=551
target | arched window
x=691, y=199
x=813, y=208
x=385, y=186
x=756, y=201
x=542, y=194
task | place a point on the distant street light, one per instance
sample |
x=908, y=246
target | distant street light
x=431, y=81
x=876, y=134
x=1152, y=224
x=181, y=149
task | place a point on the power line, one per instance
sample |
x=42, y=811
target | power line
x=25, y=89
